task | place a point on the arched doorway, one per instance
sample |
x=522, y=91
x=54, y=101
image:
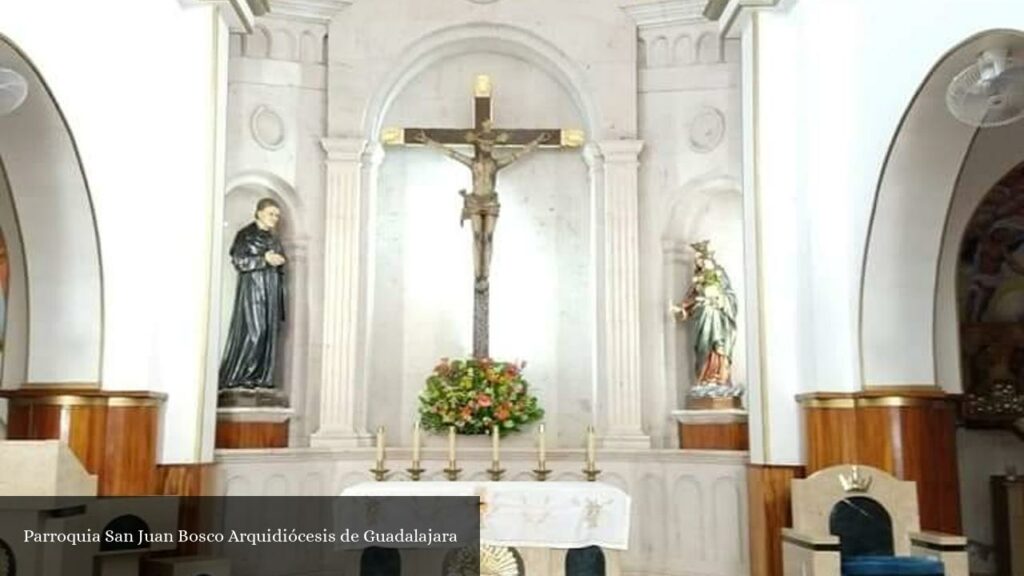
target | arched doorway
x=936, y=174
x=990, y=303
x=54, y=322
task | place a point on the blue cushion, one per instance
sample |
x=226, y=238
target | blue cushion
x=892, y=566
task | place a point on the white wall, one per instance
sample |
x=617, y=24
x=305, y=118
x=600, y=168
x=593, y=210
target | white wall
x=138, y=86
x=832, y=82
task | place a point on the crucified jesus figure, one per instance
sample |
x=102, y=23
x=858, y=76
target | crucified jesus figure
x=481, y=206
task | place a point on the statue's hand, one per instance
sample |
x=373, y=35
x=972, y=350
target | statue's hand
x=273, y=258
x=677, y=311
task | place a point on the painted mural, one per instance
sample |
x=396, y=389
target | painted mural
x=991, y=302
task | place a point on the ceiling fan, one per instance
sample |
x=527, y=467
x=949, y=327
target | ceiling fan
x=989, y=92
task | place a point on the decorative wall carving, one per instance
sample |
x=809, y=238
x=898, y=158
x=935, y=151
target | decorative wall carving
x=282, y=40
x=680, y=46
x=707, y=129
x=267, y=127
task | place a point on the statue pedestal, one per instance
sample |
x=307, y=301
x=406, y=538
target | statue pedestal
x=720, y=429
x=253, y=427
x=694, y=403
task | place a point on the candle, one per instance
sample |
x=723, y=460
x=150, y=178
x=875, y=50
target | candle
x=590, y=446
x=416, y=444
x=495, y=439
x=451, y=445
x=541, y=448
x=380, y=445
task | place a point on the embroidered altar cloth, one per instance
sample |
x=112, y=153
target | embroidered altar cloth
x=531, y=514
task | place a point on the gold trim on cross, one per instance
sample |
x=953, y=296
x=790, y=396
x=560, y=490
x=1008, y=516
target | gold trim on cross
x=483, y=112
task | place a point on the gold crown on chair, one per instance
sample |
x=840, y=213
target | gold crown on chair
x=854, y=482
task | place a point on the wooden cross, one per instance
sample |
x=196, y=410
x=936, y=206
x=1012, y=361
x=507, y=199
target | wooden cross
x=481, y=205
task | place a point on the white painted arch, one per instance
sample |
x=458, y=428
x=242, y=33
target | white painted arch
x=57, y=233
x=373, y=57
x=901, y=340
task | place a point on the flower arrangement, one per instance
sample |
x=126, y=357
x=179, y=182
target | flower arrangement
x=475, y=394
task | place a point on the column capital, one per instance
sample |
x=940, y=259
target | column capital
x=661, y=13
x=373, y=154
x=733, y=16
x=620, y=151
x=344, y=149
x=321, y=11
x=592, y=154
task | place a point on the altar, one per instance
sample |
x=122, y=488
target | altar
x=552, y=528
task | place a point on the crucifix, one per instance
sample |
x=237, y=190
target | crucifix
x=480, y=205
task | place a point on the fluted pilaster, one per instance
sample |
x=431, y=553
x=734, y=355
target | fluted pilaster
x=343, y=277
x=620, y=338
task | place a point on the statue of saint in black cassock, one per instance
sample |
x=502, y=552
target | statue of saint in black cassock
x=251, y=349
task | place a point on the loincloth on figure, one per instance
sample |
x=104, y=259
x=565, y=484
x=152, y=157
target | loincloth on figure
x=479, y=205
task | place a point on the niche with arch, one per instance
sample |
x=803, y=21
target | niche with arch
x=244, y=192
x=541, y=270
x=707, y=209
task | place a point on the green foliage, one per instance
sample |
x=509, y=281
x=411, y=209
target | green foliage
x=476, y=394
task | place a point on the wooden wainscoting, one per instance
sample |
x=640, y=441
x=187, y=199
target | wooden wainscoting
x=724, y=429
x=181, y=479
x=114, y=434
x=769, y=512
x=732, y=436
x=252, y=434
x=908, y=432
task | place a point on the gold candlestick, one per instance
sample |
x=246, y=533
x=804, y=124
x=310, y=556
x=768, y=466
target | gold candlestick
x=416, y=471
x=379, y=471
x=452, y=472
x=542, y=471
x=496, y=471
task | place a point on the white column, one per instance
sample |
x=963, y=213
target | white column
x=621, y=296
x=342, y=345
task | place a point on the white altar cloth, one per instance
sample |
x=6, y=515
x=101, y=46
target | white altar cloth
x=531, y=514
